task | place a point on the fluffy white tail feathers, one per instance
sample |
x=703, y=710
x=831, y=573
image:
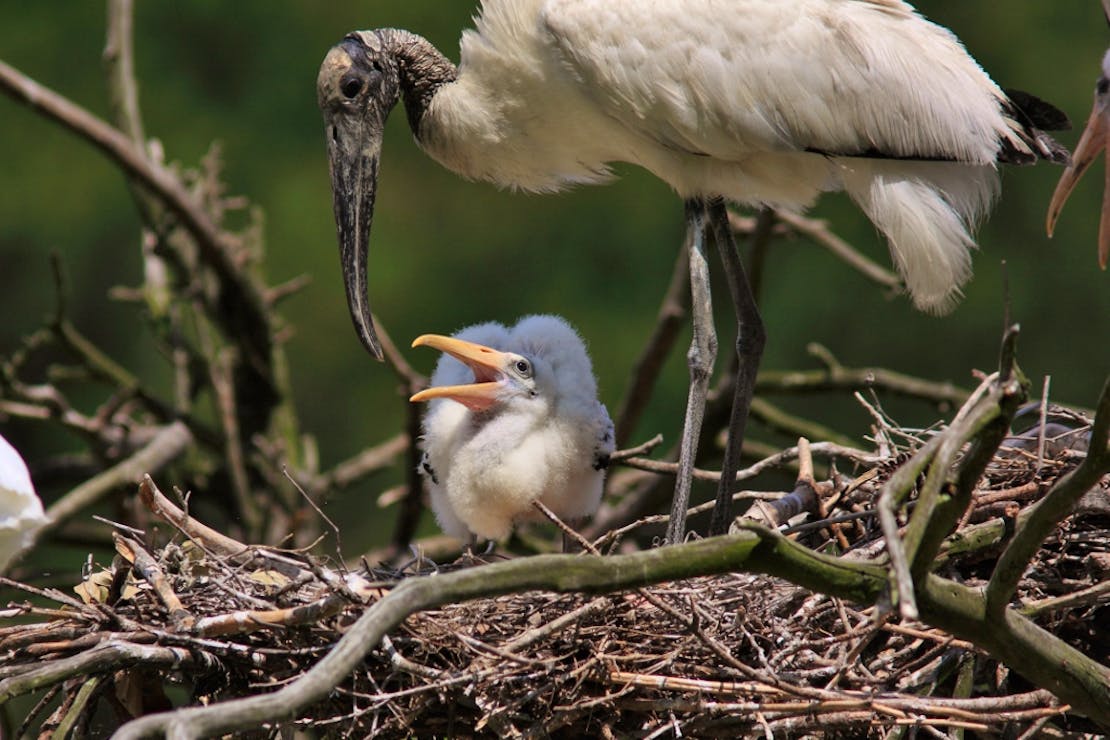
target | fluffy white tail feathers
x=928, y=212
x=21, y=514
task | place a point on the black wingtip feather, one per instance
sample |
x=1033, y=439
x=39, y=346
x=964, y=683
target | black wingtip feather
x=1038, y=113
x=1036, y=116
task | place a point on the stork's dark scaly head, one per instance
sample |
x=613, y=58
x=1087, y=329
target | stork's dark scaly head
x=358, y=85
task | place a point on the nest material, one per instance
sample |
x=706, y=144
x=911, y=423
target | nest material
x=730, y=655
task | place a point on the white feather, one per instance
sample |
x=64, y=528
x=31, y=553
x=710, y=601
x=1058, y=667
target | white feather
x=755, y=100
x=21, y=513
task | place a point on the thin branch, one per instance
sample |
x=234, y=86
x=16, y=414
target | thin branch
x=640, y=449
x=123, y=94
x=243, y=313
x=983, y=407
x=163, y=508
x=1056, y=504
x=68, y=723
x=984, y=432
x=221, y=370
x=1095, y=594
x=796, y=426
x=819, y=232
x=562, y=573
x=893, y=493
x=645, y=371
x=367, y=462
x=396, y=361
x=1041, y=656
x=836, y=377
x=223, y=546
x=146, y=566
x=166, y=446
x=119, y=57
x=110, y=656
x=778, y=459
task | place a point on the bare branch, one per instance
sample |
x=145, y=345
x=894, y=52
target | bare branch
x=836, y=377
x=645, y=372
x=243, y=307
x=166, y=446
x=1051, y=510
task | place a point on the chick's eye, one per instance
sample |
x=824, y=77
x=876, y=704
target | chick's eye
x=523, y=367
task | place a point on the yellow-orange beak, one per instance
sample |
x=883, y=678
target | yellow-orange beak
x=1091, y=144
x=486, y=363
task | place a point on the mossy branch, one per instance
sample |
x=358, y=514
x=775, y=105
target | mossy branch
x=1037, y=654
x=1056, y=505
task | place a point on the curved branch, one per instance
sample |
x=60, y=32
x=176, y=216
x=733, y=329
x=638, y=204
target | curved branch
x=759, y=550
x=243, y=308
x=834, y=377
x=110, y=656
x=1056, y=504
x=166, y=446
x=818, y=231
x=960, y=610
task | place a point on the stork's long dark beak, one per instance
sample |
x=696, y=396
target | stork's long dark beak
x=1091, y=143
x=354, y=119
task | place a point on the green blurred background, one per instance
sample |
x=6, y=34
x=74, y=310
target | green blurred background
x=447, y=253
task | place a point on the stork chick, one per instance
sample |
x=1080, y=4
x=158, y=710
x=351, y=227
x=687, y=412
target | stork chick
x=513, y=418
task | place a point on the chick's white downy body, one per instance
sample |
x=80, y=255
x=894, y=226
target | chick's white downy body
x=518, y=423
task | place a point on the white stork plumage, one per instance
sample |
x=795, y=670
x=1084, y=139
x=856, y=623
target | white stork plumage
x=21, y=514
x=1092, y=142
x=513, y=417
x=754, y=101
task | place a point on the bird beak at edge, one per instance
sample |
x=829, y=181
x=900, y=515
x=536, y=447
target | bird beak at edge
x=1091, y=143
x=354, y=137
x=487, y=365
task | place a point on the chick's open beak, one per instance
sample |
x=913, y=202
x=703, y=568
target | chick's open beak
x=486, y=363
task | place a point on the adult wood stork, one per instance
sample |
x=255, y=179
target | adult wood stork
x=21, y=513
x=1091, y=143
x=756, y=101
x=513, y=418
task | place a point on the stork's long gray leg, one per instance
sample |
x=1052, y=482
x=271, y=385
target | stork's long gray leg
x=700, y=358
x=750, y=338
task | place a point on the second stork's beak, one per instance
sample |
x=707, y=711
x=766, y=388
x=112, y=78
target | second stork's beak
x=1091, y=143
x=486, y=363
x=355, y=97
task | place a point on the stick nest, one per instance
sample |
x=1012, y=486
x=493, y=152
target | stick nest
x=203, y=619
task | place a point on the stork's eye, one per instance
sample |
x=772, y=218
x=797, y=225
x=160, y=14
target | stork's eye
x=523, y=368
x=350, y=86
x=1103, y=86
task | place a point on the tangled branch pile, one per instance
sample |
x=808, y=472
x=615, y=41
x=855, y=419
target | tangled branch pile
x=205, y=617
